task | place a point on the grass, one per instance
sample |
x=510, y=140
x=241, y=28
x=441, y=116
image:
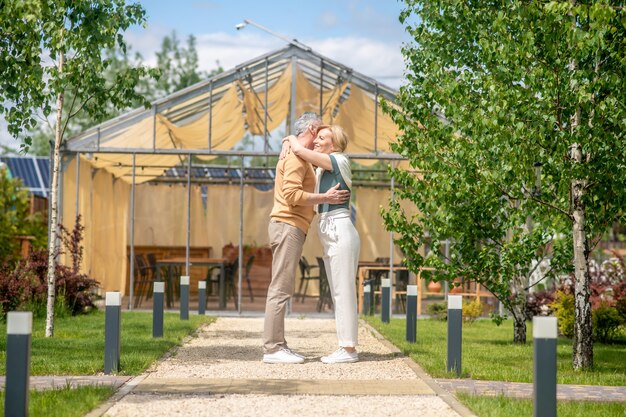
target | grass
x=64, y=402
x=490, y=354
x=77, y=347
x=503, y=406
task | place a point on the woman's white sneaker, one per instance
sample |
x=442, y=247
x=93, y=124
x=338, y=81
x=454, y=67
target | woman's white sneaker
x=341, y=356
x=282, y=356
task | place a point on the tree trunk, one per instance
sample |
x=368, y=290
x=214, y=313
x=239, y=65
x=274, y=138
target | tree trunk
x=519, y=328
x=518, y=311
x=517, y=307
x=582, y=356
x=54, y=210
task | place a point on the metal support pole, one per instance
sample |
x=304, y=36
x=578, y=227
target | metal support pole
x=455, y=323
x=292, y=104
x=19, y=333
x=376, y=118
x=210, y=115
x=266, y=145
x=184, y=297
x=385, y=306
x=132, y=238
x=240, y=266
x=544, y=382
x=367, y=300
x=392, y=276
x=188, y=242
x=112, y=332
x=157, y=309
x=154, y=127
x=411, y=313
x=77, y=164
x=201, y=297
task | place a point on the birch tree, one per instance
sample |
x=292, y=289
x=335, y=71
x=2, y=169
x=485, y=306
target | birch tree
x=495, y=88
x=49, y=48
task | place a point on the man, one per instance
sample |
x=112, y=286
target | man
x=289, y=222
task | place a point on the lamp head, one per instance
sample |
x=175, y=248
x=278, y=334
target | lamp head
x=240, y=26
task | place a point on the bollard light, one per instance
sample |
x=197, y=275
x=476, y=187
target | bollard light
x=411, y=313
x=112, y=335
x=455, y=332
x=157, y=309
x=19, y=334
x=184, y=297
x=367, y=300
x=544, y=379
x=385, y=306
x=201, y=297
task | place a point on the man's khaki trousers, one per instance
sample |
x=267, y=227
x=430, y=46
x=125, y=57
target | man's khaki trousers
x=286, y=242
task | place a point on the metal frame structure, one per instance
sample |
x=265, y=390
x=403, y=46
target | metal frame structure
x=194, y=102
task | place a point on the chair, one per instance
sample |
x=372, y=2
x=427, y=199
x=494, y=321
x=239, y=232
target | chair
x=247, y=276
x=305, y=272
x=325, y=299
x=402, y=281
x=232, y=270
x=143, y=279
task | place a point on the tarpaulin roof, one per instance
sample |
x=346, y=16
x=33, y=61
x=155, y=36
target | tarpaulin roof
x=207, y=119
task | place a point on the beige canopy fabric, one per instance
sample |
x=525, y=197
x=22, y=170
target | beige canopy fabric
x=241, y=110
x=161, y=219
x=103, y=204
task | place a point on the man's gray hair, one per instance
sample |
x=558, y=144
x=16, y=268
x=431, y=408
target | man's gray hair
x=307, y=119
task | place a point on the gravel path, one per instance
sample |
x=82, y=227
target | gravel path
x=230, y=350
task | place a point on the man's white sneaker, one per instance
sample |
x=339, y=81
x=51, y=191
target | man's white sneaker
x=295, y=353
x=341, y=356
x=282, y=356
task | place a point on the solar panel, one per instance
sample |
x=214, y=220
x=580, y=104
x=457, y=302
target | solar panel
x=33, y=171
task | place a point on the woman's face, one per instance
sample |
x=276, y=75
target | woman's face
x=324, y=141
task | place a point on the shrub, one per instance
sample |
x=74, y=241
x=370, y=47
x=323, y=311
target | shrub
x=438, y=311
x=606, y=322
x=24, y=286
x=472, y=310
x=619, y=295
x=538, y=303
x=563, y=307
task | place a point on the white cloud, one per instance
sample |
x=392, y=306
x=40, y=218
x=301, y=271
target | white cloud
x=232, y=50
x=329, y=19
x=379, y=60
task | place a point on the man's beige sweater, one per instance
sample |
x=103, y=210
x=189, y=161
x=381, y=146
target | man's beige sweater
x=295, y=180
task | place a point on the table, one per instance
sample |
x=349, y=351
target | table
x=366, y=266
x=377, y=266
x=170, y=263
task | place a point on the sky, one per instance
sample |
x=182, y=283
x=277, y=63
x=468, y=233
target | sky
x=365, y=35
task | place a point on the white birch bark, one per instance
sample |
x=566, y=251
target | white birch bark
x=54, y=210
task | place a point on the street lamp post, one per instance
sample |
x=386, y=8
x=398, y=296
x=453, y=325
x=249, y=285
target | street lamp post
x=294, y=42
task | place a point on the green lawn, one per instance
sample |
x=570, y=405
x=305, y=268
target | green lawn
x=503, y=406
x=77, y=347
x=490, y=354
x=64, y=402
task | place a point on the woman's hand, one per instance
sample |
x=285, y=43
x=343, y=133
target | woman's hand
x=296, y=146
x=284, y=151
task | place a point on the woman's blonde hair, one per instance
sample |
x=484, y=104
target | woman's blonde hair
x=339, y=137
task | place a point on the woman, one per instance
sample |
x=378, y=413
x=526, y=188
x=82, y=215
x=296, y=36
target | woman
x=339, y=238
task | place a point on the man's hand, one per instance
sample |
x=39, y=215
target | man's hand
x=336, y=196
